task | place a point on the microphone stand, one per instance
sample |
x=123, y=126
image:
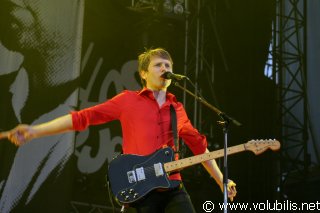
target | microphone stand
x=224, y=122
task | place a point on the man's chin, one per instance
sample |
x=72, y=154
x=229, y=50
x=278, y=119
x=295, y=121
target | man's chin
x=167, y=83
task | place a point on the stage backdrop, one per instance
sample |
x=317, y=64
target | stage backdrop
x=62, y=55
x=57, y=56
x=40, y=53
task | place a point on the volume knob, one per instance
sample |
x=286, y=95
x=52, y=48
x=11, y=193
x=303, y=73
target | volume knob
x=135, y=195
x=123, y=193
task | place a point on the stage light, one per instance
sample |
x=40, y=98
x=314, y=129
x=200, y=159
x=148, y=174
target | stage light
x=178, y=8
x=167, y=6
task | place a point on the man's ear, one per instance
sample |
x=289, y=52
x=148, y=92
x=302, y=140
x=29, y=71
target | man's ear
x=143, y=74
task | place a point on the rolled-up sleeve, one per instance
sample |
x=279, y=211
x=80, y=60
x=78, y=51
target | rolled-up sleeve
x=99, y=114
x=191, y=136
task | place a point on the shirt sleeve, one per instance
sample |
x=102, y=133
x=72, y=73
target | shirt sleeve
x=98, y=114
x=191, y=136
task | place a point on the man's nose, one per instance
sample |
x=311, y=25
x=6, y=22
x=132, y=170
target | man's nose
x=163, y=68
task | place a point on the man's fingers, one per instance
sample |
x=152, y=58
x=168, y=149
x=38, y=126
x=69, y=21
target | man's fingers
x=231, y=183
x=17, y=137
x=232, y=191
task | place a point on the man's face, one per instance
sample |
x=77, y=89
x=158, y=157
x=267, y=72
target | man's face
x=156, y=68
x=33, y=24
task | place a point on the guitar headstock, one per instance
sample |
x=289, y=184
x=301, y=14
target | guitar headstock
x=259, y=146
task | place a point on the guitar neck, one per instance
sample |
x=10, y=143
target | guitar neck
x=190, y=161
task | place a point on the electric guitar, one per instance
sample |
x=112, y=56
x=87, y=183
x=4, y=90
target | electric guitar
x=133, y=176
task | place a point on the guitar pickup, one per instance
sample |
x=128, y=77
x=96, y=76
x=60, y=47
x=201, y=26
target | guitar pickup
x=131, y=176
x=136, y=175
x=158, y=169
x=140, y=174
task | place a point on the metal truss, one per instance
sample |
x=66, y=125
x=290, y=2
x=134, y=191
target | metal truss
x=199, y=58
x=173, y=7
x=192, y=45
x=290, y=74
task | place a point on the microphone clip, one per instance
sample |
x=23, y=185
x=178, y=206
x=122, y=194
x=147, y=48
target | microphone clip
x=173, y=76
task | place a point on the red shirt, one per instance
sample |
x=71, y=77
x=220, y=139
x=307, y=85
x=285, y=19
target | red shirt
x=145, y=126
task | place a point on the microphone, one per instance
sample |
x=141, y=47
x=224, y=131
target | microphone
x=170, y=75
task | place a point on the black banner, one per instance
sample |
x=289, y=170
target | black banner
x=59, y=56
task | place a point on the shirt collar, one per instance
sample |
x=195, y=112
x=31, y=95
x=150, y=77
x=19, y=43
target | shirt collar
x=147, y=92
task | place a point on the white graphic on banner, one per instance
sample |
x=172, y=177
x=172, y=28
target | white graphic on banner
x=40, y=56
x=123, y=79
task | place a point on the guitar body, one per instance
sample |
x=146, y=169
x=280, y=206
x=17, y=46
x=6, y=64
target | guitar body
x=133, y=176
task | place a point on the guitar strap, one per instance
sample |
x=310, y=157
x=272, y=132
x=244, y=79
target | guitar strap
x=175, y=183
x=174, y=128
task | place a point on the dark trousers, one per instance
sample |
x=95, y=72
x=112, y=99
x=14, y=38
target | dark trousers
x=173, y=201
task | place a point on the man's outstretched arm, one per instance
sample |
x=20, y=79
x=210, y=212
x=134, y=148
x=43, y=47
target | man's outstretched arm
x=24, y=133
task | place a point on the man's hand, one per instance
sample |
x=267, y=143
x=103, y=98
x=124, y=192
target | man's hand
x=232, y=191
x=19, y=135
x=231, y=187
